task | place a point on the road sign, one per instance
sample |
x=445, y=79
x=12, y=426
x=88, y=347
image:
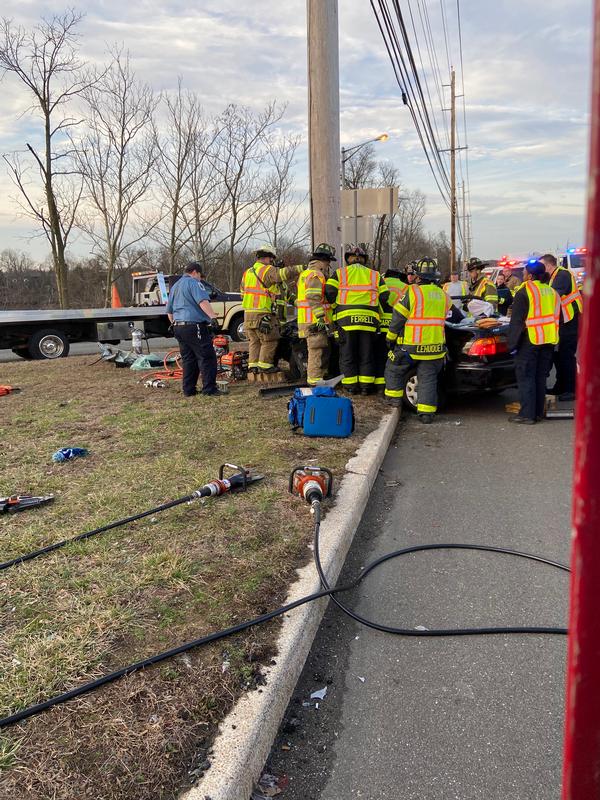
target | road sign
x=369, y=202
x=355, y=230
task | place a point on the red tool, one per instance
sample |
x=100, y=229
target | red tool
x=311, y=483
x=4, y=390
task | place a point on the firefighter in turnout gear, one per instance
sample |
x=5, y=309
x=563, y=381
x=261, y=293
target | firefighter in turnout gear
x=260, y=291
x=532, y=334
x=417, y=338
x=562, y=281
x=397, y=288
x=314, y=311
x=480, y=287
x=357, y=292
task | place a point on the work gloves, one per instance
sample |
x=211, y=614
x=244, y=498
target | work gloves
x=265, y=324
x=214, y=325
x=320, y=326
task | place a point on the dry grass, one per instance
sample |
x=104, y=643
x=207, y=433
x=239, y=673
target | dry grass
x=94, y=606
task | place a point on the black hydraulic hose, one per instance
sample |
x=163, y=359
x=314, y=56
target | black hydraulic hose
x=316, y=507
x=88, y=534
x=326, y=591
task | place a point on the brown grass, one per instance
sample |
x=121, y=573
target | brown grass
x=127, y=594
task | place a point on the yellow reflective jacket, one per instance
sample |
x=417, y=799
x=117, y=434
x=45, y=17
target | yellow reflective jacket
x=544, y=313
x=356, y=291
x=569, y=302
x=312, y=304
x=418, y=323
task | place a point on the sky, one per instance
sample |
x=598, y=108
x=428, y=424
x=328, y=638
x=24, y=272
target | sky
x=526, y=92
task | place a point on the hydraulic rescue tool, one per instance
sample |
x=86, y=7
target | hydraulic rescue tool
x=21, y=502
x=313, y=484
x=238, y=480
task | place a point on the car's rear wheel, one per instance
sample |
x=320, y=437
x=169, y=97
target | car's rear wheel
x=411, y=391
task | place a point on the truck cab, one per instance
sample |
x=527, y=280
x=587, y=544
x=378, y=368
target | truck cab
x=152, y=289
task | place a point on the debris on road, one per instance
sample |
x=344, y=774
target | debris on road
x=320, y=694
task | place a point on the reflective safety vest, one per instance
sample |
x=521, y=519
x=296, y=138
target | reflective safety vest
x=544, y=313
x=397, y=289
x=462, y=285
x=424, y=336
x=357, y=301
x=570, y=301
x=486, y=291
x=319, y=308
x=255, y=295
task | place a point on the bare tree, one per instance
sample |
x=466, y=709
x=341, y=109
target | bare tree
x=239, y=156
x=116, y=157
x=45, y=60
x=286, y=217
x=360, y=168
x=177, y=150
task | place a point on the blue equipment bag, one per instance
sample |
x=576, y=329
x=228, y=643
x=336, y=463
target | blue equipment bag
x=320, y=412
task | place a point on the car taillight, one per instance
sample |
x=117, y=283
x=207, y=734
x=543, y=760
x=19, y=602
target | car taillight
x=487, y=346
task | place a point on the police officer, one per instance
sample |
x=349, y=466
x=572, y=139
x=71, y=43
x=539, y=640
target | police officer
x=417, y=338
x=565, y=358
x=480, y=287
x=357, y=292
x=314, y=312
x=193, y=321
x=532, y=334
x=260, y=290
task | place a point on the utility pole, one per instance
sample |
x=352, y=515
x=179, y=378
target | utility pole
x=324, y=122
x=452, y=171
x=464, y=226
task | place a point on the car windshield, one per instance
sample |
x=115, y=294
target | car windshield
x=578, y=261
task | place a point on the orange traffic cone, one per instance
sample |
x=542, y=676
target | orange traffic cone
x=116, y=300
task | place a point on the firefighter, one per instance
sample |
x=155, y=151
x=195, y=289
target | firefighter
x=417, y=338
x=411, y=273
x=357, y=292
x=314, y=312
x=397, y=287
x=260, y=291
x=480, y=287
x=455, y=289
x=562, y=281
x=532, y=334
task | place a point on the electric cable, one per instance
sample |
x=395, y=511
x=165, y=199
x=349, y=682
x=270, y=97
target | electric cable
x=327, y=590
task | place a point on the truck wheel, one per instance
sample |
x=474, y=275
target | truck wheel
x=48, y=344
x=236, y=328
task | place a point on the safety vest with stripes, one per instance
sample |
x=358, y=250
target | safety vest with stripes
x=425, y=307
x=569, y=302
x=397, y=289
x=357, y=301
x=255, y=295
x=311, y=302
x=485, y=290
x=544, y=313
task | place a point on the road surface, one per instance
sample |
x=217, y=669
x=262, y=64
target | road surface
x=466, y=718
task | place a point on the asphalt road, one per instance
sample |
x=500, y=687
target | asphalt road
x=85, y=348
x=466, y=718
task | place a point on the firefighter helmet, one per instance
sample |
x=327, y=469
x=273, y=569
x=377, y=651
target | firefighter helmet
x=475, y=263
x=358, y=252
x=266, y=250
x=324, y=252
x=427, y=270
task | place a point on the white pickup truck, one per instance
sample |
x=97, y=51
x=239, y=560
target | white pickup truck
x=48, y=333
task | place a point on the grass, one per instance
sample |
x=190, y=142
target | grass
x=97, y=605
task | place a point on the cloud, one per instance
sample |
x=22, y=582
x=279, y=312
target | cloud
x=526, y=84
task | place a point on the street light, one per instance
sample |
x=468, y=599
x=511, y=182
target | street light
x=348, y=152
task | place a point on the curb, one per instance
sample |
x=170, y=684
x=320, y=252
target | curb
x=246, y=735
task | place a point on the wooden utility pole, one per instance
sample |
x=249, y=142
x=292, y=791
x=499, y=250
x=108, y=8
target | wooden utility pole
x=324, y=122
x=452, y=171
x=465, y=255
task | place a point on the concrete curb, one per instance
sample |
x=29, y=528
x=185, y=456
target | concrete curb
x=246, y=735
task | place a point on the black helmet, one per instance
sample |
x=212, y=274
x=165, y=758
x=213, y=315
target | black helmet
x=358, y=252
x=324, y=252
x=411, y=267
x=427, y=270
x=475, y=263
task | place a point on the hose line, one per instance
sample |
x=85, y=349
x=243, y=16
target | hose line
x=327, y=590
